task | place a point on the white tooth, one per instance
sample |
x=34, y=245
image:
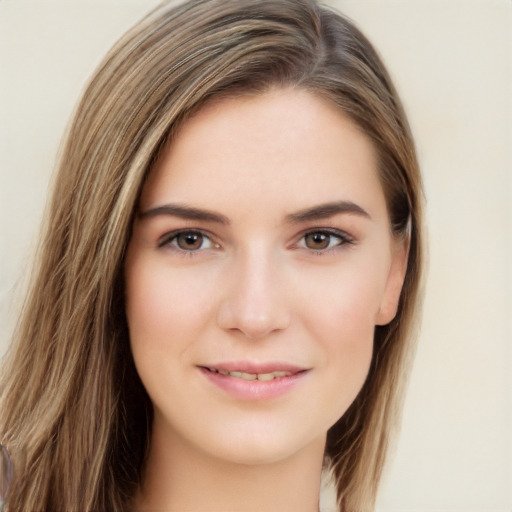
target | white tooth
x=249, y=376
x=253, y=376
x=265, y=376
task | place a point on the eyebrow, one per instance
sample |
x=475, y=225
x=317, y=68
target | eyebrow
x=185, y=212
x=324, y=211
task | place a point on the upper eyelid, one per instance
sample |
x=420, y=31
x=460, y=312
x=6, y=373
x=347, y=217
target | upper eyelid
x=328, y=230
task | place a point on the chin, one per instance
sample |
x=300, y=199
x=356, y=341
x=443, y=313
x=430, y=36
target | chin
x=265, y=445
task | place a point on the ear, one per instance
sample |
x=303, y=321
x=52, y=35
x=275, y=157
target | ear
x=391, y=297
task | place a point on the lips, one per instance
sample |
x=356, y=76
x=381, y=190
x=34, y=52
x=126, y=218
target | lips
x=249, y=381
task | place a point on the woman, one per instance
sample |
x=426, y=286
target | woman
x=229, y=276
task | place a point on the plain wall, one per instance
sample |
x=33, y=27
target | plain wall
x=452, y=63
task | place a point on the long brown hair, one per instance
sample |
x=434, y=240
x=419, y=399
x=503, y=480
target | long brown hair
x=73, y=410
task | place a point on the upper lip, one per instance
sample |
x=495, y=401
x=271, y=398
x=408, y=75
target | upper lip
x=255, y=368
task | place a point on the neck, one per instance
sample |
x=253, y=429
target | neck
x=178, y=477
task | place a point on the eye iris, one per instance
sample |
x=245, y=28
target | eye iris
x=317, y=240
x=189, y=241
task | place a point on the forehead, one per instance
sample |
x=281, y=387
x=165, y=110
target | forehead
x=284, y=147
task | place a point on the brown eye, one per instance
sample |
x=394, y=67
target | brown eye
x=317, y=241
x=322, y=241
x=189, y=241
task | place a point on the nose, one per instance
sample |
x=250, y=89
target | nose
x=255, y=299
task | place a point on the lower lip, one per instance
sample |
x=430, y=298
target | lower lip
x=254, y=389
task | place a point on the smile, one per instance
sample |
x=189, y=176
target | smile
x=254, y=382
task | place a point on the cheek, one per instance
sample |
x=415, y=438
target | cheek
x=342, y=305
x=165, y=312
x=341, y=320
x=347, y=331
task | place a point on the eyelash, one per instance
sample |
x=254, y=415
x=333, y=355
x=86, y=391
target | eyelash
x=170, y=240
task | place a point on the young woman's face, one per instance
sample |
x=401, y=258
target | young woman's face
x=259, y=265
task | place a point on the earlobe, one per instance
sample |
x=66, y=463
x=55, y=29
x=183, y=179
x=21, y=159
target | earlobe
x=394, y=284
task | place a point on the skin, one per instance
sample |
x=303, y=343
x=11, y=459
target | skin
x=268, y=275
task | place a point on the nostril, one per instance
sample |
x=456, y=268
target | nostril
x=252, y=325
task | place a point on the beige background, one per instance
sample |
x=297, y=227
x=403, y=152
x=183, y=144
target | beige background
x=452, y=62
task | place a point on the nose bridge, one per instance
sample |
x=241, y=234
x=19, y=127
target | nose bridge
x=255, y=303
